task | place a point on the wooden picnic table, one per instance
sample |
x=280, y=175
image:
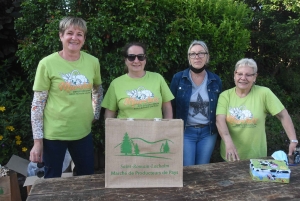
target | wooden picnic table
x=214, y=181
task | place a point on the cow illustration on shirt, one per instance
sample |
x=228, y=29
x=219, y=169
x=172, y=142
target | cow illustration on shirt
x=75, y=78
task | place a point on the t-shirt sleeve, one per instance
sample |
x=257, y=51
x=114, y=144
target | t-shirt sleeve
x=110, y=99
x=166, y=93
x=42, y=81
x=272, y=104
x=97, y=79
x=223, y=103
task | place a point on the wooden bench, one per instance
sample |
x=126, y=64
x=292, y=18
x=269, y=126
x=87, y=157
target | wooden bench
x=215, y=181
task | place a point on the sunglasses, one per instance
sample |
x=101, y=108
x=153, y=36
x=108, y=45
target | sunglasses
x=131, y=57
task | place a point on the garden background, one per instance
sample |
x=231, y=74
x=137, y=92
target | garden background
x=265, y=30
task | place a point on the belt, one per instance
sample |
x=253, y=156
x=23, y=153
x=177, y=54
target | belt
x=200, y=125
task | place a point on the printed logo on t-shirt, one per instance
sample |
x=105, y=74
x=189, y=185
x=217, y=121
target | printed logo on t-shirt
x=141, y=98
x=75, y=83
x=241, y=117
x=200, y=106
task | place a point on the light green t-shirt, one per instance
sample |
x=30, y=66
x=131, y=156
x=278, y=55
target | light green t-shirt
x=245, y=118
x=137, y=97
x=68, y=113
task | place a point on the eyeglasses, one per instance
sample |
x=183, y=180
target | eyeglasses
x=240, y=75
x=131, y=57
x=199, y=54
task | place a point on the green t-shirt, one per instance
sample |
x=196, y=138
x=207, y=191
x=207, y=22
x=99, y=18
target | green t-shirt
x=137, y=97
x=68, y=113
x=245, y=118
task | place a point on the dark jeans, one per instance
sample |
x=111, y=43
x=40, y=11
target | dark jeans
x=81, y=151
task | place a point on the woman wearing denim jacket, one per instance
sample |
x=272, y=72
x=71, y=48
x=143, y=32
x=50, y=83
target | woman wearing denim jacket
x=196, y=92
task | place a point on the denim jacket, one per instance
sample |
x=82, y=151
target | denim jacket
x=181, y=87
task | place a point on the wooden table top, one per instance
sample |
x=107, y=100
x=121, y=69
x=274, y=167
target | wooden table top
x=214, y=181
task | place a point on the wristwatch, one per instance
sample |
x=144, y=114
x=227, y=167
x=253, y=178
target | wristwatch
x=294, y=141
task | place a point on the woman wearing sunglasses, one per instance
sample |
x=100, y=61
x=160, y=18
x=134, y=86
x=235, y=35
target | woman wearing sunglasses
x=138, y=93
x=196, y=92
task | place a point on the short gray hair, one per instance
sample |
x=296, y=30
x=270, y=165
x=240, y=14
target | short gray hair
x=201, y=43
x=246, y=62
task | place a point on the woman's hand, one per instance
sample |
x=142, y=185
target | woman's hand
x=36, y=153
x=289, y=129
x=231, y=152
x=292, y=148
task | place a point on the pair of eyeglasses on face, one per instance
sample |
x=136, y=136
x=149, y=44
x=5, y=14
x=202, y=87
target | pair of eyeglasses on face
x=199, y=54
x=131, y=57
x=240, y=75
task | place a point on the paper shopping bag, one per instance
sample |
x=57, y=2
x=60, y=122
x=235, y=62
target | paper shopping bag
x=9, y=188
x=143, y=153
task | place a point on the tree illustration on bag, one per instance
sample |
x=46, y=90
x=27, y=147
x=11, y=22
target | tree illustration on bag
x=126, y=146
x=166, y=147
x=136, y=149
x=130, y=147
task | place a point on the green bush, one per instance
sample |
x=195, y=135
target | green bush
x=167, y=27
x=276, y=136
x=15, y=131
x=15, y=126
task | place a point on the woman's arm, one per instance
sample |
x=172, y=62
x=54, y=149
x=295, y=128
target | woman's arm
x=37, y=124
x=231, y=152
x=97, y=97
x=109, y=114
x=288, y=126
x=167, y=110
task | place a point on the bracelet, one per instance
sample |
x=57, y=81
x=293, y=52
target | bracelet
x=294, y=141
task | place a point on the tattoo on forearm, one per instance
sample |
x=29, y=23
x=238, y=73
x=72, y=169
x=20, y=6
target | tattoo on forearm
x=37, y=112
x=97, y=97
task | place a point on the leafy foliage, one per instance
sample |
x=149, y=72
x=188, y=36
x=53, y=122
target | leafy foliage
x=15, y=127
x=167, y=27
x=275, y=47
x=15, y=130
x=8, y=12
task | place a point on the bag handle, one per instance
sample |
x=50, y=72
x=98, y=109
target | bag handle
x=155, y=119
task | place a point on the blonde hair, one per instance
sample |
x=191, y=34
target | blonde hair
x=201, y=43
x=67, y=22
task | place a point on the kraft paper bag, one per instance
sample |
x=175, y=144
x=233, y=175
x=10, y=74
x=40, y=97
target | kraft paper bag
x=9, y=188
x=143, y=153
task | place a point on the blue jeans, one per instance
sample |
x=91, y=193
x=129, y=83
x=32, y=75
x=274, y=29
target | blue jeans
x=81, y=151
x=198, y=145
